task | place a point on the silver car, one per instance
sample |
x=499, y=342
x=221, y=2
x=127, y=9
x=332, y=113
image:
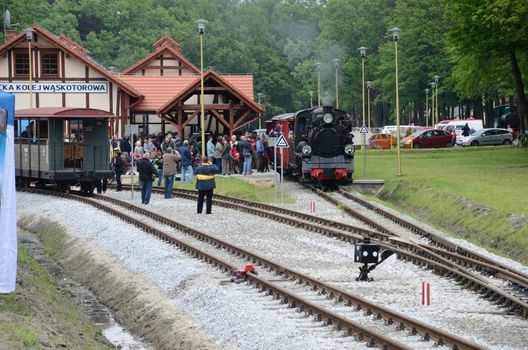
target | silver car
x=485, y=137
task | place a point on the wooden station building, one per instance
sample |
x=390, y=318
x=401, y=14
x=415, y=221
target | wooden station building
x=160, y=93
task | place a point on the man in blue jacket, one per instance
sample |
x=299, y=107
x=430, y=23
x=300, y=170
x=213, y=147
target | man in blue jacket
x=186, y=161
x=205, y=184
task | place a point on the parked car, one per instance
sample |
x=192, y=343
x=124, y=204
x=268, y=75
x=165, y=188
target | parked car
x=491, y=136
x=405, y=131
x=454, y=127
x=380, y=141
x=428, y=139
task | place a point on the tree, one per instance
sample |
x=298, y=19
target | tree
x=493, y=31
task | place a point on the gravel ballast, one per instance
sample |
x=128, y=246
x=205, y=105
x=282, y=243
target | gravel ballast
x=232, y=311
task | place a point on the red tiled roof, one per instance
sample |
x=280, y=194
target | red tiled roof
x=73, y=44
x=157, y=91
x=166, y=40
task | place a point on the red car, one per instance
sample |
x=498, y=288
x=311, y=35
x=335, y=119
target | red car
x=434, y=138
x=380, y=141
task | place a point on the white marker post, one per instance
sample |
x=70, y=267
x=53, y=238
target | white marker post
x=364, y=132
x=281, y=143
x=131, y=129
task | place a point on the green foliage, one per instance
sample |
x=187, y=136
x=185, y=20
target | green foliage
x=280, y=41
x=483, y=38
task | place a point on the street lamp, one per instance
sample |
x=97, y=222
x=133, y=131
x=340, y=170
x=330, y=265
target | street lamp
x=336, y=63
x=29, y=36
x=259, y=96
x=426, y=108
x=436, y=79
x=395, y=36
x=433, y=89
x=318, y=67
x=201, y=29
x=369, y=85
x=311, y=98
x=363, y=53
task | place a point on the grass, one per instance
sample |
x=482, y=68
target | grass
x=478, y=193
x=42, y=314
x=18, y=334
x=256, y=190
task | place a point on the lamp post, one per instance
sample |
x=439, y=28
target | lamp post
x=395, y=36
x=426, y=108
x=259, y=96
x=436, y=78
x=369, y=85
x=29, y=36
x=201, y=30
x=433, y=88
x=318, y=67
x=363, y=53
x=311, y=98
x=336, y=63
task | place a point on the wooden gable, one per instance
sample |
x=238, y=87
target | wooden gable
x=224, y=104
x=166, y=60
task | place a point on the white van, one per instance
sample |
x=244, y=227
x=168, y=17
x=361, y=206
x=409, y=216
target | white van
x=389, y=129
x=455, y=126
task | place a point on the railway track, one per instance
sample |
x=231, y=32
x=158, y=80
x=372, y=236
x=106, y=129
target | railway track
x=339, y=308
x=440, y=248
x=406, y=250
x=442, y=243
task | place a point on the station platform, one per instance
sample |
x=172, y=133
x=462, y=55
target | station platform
x=368, y=185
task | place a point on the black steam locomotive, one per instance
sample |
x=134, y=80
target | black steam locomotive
x=321, y=149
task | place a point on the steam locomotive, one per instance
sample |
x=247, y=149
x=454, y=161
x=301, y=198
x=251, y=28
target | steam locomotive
x=321, y=150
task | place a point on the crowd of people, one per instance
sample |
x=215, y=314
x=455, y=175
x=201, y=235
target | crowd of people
x=163, y=156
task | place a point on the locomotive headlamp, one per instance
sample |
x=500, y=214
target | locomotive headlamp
x=349, y=149
x=328, y=118
x=306, y=150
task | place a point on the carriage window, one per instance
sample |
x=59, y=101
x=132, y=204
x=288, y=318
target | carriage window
x=31, y=130
x=73, y=131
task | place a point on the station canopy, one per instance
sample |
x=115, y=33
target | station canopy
x=62, y=112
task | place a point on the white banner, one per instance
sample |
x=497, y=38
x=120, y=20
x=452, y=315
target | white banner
x=56, y=88
x=8, y=235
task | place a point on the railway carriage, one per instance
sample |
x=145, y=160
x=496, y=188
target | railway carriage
x=62, y=146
